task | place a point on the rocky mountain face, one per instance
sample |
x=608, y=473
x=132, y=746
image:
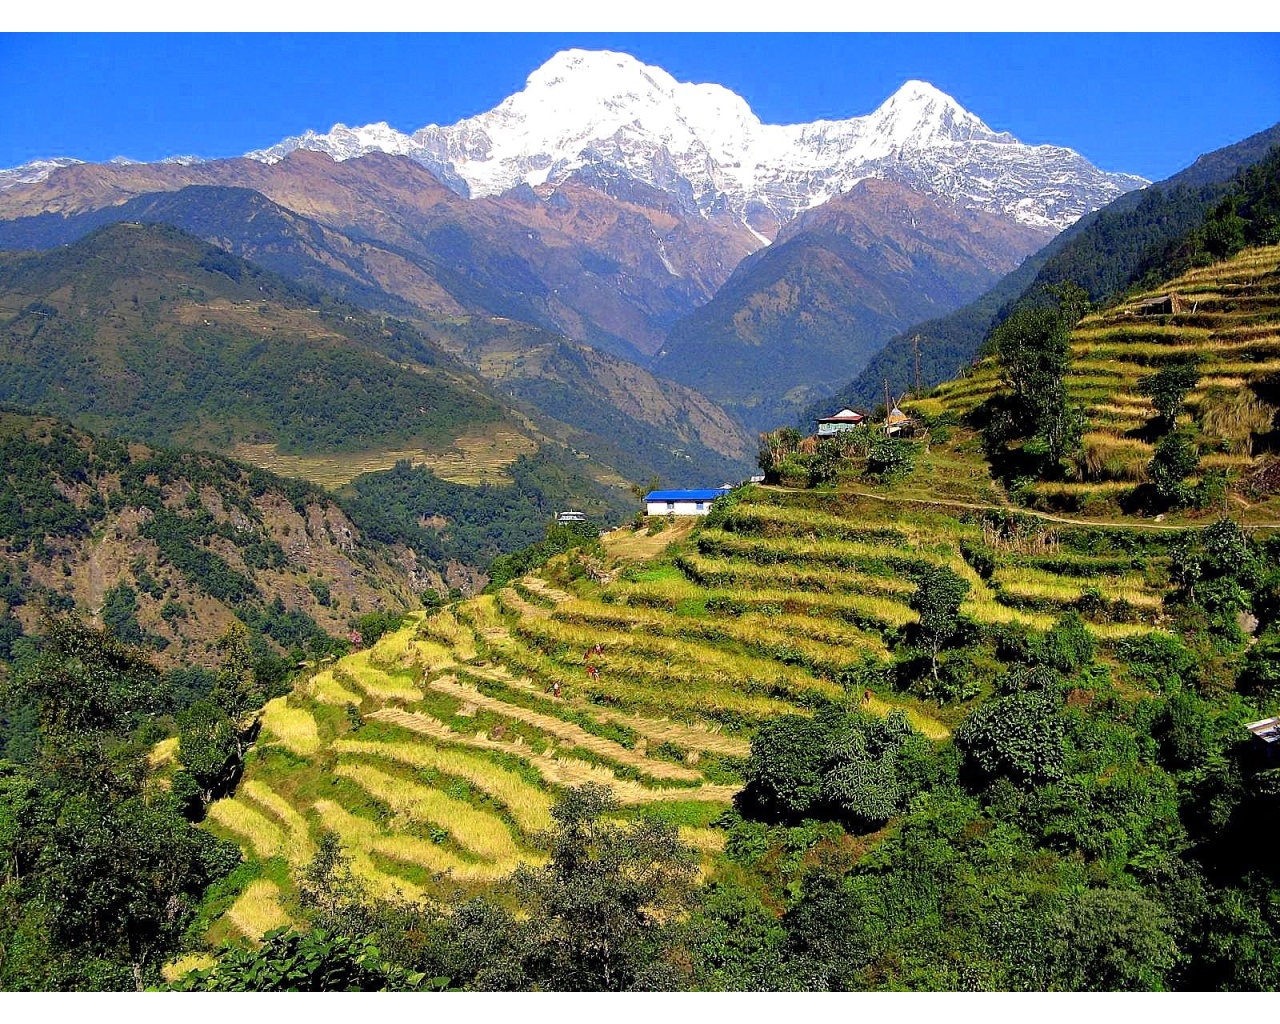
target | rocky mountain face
x=839, y=282
x=647, y=426
x=172, y=548
x=612, y=269
x=704, y=144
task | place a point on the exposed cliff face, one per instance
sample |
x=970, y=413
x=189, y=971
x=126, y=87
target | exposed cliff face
x=198, y=541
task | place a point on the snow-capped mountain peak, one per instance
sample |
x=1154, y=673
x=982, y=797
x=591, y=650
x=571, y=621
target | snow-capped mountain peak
x=702, y=143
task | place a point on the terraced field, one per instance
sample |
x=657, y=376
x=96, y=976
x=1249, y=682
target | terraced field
x=1231, y=321
x=436, y=755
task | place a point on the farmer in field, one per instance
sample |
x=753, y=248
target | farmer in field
x=555, y=689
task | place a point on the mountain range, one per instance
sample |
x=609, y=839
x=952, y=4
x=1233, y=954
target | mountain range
x=607, y=205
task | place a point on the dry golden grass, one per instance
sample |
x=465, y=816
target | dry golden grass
x=451, y=637
x=185, y=964
x=324, y=688
x=474, y=458
x=257, y=910
x=260, y=834
x=625, y=544
x=376, y=682
x=705, y=840
x=567, y=731
x=294, y=728
x=528, y=805
x=566, y=771
x=163, y=753
x=296, y=845
x=359, y=837
x=542, y=588
x=484, y=834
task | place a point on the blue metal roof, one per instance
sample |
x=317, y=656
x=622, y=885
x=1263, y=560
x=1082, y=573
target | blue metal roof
x=701, y=494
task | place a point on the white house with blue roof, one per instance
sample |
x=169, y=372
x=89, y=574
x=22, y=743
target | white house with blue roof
x=695, y=502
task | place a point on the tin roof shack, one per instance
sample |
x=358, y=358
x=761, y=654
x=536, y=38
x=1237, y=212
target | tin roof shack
x=845, y=419
x=571, y=517
x=1265, y=748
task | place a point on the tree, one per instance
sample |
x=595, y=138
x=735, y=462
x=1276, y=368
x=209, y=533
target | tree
x=1032, y=346
x=210, y=748
x=106, y=875
x=835, y=765
x=1114, y=940
x=1018, y=737
x=1168, y=389
x=889, y=459
x=604, y=912
x=937, y=598
x=235, y=690
x=1175, y=459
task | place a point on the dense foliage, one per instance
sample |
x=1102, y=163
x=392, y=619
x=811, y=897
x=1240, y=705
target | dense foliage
x=102, y=871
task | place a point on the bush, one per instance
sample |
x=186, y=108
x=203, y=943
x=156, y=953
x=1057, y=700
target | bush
x=890, y=459
x=1161, y=661
x=1067, y=647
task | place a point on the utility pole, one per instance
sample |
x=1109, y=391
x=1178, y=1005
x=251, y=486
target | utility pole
x=915, y=344
x=887, y=407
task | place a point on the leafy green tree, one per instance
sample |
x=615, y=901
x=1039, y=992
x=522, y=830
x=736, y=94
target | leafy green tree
x=735, y=941
x=937, y=598
x=851, y=767
x=1260, y=672
x=106, y=876
x=235, y=690
x=824, y=465
x=889, y=459
x=1018, y=737
x=1114, y=940
x=1174, y=460
x=1168, y=389
x=1032, y=346
x=210, y=748
x=604, y=912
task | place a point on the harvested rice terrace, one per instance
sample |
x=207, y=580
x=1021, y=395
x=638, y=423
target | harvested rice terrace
x=436, y=754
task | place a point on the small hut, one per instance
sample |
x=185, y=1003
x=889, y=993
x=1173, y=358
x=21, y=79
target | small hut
x=897, y=422
x=1161, y=305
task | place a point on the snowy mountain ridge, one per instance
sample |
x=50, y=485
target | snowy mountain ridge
x=703, y=143
x=610, y=116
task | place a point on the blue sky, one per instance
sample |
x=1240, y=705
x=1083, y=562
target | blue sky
x=1142, y=103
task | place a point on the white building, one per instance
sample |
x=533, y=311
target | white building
x=682, y=503
x=845, y=419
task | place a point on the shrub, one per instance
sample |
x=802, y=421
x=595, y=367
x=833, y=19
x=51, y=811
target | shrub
x=890, y=459
x=1067, y=647
x=1159, y=660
